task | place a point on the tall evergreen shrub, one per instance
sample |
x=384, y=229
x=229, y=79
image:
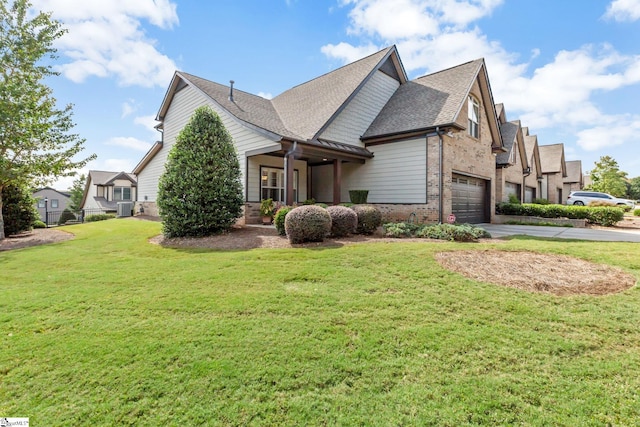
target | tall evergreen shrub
x=200, y=192
x=18, y=209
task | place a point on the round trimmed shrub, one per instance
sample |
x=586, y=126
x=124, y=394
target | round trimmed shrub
x=369, y=218
x=65, y=216
x=344, y=221
x=309, y=223
x=278, y=220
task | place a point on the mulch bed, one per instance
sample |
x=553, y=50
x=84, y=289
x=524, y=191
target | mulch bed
x=535, y=272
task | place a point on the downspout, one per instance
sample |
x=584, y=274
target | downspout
x=440, y=180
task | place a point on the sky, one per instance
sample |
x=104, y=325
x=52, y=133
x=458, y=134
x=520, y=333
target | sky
x=568, y=69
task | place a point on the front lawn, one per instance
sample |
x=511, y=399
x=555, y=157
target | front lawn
x=108, y=329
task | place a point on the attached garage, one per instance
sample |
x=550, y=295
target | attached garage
x=469, y=199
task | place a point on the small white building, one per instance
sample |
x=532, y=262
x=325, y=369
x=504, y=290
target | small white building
x=103, y=190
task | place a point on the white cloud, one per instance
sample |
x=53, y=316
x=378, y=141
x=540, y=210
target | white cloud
x=623, y=10
x=128, y=108
x=346, y=52
x=105, y=39
x=129, y=142
x=148, y=122
x=599, y=137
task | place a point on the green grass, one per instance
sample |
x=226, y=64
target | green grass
x=108, y=329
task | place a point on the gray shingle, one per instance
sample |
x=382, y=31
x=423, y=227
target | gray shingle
x=574, y=171
x=551, y=157
x=509, y=132
x=426, y=102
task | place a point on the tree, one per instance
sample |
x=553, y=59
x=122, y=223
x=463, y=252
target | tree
x=18, y=210
x=607, y=177
x=77, y=193
x=200, y=192
x=35, y=139
x=634, y=188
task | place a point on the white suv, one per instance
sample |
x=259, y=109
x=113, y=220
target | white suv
x=582, y=198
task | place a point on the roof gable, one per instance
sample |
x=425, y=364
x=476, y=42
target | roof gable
x=435, y=100
x=532, y=151
x=552, y=158
x=574, y=171
x=327, y=95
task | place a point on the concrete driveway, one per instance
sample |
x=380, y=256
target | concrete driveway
x=503, y=230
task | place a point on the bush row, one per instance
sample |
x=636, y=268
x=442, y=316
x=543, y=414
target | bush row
x=98, y=217
x=599, y=215
x=313, y=222
x=452, y=232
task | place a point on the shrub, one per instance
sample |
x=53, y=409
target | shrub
x=513, y=199
x=278, y=220
x=98, y=217
x=636, y=212
x=540, y=202
x=401, y=229
x=599, y=215
x=369, y=218
x=18, y=209
x=344, y=221
x=309, y=223
x=457, y=232
x=65, y=216
x=309, y=202
x=322, y=205
x=39, y=224
x=358, y=196
x=347, y=204
x=200, y=192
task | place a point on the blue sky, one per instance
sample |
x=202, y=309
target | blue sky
x=570, y=70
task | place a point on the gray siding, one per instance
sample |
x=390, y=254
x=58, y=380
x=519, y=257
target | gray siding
x=184, y=103
x=253, y=182
x=397, y=174
x=358, y=115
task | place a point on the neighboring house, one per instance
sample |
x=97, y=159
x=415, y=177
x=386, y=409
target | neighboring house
x=103, y=190
x=512, y=165
x=422, y=148
x=573, y=180
x=533, y=179
x=56, y=201
x=554, y=171
x=586, y=180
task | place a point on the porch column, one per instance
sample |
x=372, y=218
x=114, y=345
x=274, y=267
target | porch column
x=337, y=181
x=288, y=179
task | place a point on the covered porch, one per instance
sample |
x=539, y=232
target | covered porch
x=284, y=172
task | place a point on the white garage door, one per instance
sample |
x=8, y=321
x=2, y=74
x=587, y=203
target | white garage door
x=469, y=199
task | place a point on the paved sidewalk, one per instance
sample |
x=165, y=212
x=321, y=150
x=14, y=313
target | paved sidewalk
x=503, y=230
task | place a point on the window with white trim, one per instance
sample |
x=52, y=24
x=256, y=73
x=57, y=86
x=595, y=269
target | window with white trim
x=121, y=193
x=54, y=203
x=41, y=203
x=272, y=184
x=474, y=118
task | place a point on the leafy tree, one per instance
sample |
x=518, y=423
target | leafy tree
x=607, y=177
x=77, y=192
x=35, y=139
x=18, y=210
x=200, y=192
x=633, y=191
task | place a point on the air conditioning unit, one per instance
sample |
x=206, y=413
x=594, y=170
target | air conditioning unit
x=124, y=209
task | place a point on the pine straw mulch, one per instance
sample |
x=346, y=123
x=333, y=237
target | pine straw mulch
x=535, y=272
x=36, y=237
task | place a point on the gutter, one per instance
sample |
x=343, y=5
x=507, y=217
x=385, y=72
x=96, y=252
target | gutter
x=440, y=180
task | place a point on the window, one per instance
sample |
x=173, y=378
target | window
x=41, y=203
x=121, y=193
x=474, y=118
x=272, y=184
x=54, y=203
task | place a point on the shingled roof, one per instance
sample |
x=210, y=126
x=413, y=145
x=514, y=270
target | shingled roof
x=574, y=171
x=509, y=132
x=426, y=102
x=107, y=178
x=552, y=158
x=307, y=108
x=532, y=150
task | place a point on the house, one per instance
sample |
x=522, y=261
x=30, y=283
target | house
x=422, y=147
x=573, y=180
x=103, y=190
x=512, y=165
x=533, y=179
x=554, y=171
x=49, y=200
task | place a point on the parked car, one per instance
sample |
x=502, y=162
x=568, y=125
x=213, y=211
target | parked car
x=583, y=198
